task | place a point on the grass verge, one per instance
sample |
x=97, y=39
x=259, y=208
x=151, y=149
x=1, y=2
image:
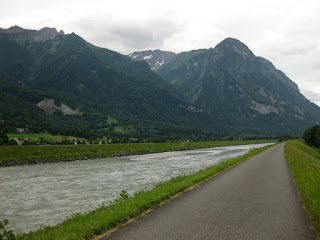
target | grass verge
x=90, y=224
x=23, y=155
x=304, y=162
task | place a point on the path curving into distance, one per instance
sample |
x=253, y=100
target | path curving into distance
x=256, y=199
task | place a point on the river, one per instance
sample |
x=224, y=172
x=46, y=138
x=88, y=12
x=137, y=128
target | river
x=47, y=193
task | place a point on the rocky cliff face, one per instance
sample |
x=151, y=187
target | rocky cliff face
x=49, y=106
x=155, y=58
x=46, y=33
x=12, y=30
x=245, y=91
x=25, y=35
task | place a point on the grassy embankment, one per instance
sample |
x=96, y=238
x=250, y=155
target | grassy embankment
x=33, y=154
x=304, y=162
x=90, y=224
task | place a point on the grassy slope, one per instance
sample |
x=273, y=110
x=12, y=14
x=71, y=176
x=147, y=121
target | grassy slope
x=90, y=224
x=19, y=155
x=304, y=163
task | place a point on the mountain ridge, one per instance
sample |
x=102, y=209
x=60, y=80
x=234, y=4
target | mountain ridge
x=233, y=85
x=99, y=82
x=221, y=90
x=155, y=58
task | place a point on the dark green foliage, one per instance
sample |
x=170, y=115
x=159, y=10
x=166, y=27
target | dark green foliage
x=4, y=233
x=312, y=136
x=3, y=138
x=12, y=142
x=17, y=109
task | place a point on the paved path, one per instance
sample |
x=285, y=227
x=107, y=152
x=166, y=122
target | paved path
x=254, y=200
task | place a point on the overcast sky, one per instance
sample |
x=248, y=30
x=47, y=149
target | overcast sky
x=286, y=32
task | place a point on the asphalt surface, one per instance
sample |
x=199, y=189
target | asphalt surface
x=256, y=199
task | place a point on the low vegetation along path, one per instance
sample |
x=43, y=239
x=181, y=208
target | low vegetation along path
x=256, y=199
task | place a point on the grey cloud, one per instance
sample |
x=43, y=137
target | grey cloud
x=133, y=36
x=299, y=50
x=127, y=36
x=312, y=96
x=296, y=52
x=317, y=67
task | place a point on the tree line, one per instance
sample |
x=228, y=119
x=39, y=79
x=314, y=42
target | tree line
x=4, y=139
x=312, y=136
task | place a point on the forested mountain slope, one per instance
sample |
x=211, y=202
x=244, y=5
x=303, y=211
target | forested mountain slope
x=240, y=89
x=99, y=83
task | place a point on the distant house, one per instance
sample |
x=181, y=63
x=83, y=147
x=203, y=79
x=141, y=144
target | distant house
x=20, y=130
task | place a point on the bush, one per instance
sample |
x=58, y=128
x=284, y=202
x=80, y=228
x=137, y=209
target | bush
x=4, y=138
x=12, y=142
x=6, y=234
x=29, y=142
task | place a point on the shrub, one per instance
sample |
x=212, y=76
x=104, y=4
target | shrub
x=6, y=234
x=12, y=142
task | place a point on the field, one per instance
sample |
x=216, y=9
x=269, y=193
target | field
x=33, y=154
x=304, y=162
x=37, y=136
x=90, y=224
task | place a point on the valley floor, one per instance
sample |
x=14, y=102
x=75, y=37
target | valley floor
x=26, y=155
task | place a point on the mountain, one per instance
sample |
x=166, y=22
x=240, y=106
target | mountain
x=91, y=87
x=242, y=90
x=19, y=108
x=57, y=82
x=155, y=58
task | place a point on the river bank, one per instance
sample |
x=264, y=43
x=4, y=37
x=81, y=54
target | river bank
x=30, y=155
x=88, y=224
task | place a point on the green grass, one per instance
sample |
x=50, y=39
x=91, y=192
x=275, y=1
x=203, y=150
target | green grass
x=90, y=224
x=123, y=129
x=32, y=154
x=37, y=136
x=111, y=120
x=304, y=162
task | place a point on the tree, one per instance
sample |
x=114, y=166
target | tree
x=317, y=137
x=312, y=136
x=4, y=138
x=12, y=142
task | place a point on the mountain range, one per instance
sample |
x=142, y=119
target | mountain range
x=60, y=83
x=102, y=89
x=155, y=58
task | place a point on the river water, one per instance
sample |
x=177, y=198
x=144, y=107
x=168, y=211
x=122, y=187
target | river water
x=31, y=196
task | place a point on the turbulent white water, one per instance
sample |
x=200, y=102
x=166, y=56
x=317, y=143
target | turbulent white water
x=48, y=193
